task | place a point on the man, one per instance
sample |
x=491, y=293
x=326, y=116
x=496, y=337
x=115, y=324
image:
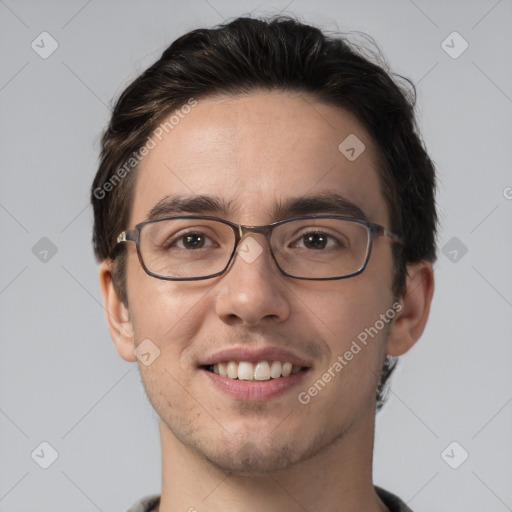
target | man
x=265, y=222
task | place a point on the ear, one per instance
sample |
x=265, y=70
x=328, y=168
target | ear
x=118, y=315
x=409, y=323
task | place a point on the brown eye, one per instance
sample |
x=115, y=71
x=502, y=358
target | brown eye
x=315, y=240
x=191, y=241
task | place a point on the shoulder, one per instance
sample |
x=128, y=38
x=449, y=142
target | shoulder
x=394, y=503
x=146, y=504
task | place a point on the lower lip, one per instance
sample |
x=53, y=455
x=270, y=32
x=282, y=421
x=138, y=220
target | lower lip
x=253, y=390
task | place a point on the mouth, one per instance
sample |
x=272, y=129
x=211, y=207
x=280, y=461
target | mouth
x=254, y=373
x=260, y=371
x=252, y=381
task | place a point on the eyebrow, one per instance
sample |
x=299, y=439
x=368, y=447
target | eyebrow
x=176, y=205
x=324, y=203
x=327, y=202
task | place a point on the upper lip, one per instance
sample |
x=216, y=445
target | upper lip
x=254, y=355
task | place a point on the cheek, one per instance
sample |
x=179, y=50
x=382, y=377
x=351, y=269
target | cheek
x=354, y=337
x=168, y=313
x=351, y=320
x=346, y=308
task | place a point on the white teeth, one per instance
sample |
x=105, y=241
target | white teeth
x=245, y=371
x=275, y=369
x=232, y=370
x=287, y=369
x=263, y=370
x=223, y=371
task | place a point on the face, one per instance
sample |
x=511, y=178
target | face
x=252, y=153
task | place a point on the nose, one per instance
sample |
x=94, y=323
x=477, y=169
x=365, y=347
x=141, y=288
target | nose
x=252, y=290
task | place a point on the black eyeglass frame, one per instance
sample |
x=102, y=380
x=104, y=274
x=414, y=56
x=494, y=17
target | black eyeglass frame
x=374, y=231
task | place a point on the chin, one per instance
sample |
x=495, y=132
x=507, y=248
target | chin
x=249, y=459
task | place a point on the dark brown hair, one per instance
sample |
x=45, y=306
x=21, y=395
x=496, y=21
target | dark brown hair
x=281, y=54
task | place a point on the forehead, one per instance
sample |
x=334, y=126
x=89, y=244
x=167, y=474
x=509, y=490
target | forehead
x=255, y=153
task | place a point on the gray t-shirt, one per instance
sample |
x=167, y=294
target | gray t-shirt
x=391, y=501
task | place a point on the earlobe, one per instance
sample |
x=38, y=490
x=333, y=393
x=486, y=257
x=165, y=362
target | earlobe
x=118, y=315
x=410, y=321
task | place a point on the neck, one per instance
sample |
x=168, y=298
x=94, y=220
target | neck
x=338, y=479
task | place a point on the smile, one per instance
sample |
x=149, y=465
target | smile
x=260, y=371
x=254, y=373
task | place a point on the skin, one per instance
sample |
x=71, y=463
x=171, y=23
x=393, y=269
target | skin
x=219, y=453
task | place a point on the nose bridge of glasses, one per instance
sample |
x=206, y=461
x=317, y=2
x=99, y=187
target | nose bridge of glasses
x=249, y=250
x=254, y=229
x=246, y=231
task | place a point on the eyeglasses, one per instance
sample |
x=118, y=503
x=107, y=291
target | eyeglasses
x=317, y=247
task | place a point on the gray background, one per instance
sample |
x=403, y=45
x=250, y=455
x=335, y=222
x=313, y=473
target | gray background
x=61, y=380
